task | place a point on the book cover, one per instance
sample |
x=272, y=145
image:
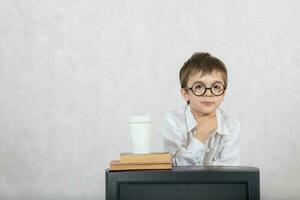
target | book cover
x=153, y=157
x=117, y=165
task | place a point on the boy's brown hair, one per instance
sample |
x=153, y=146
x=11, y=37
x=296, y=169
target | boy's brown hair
x=204, y=63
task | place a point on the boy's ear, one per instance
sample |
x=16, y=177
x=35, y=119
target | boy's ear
x=184, y=94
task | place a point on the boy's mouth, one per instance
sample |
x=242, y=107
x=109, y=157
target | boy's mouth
x=207, y=103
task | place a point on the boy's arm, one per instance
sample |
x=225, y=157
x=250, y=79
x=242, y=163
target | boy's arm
x=174, y=142
x=229, y=155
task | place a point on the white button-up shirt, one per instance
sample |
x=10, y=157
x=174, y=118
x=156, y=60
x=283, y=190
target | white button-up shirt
x=221, y=148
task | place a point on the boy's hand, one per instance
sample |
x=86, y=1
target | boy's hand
x=206, y=125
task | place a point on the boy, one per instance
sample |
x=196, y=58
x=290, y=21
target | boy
x=201, y=133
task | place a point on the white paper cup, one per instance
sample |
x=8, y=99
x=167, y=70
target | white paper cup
x=140, y=130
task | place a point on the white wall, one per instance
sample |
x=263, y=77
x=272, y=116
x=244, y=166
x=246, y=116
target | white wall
x=71, y=72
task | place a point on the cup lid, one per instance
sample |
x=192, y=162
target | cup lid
x=144, y=118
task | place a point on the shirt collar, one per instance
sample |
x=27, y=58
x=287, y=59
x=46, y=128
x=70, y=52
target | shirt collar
x=191, y=122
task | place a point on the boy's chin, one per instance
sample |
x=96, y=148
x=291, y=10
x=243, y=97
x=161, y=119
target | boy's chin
x=205, y=111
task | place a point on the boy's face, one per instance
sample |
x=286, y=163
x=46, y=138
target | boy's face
x=208, y=102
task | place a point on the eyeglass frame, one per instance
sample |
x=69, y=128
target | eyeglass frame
x=206, y=88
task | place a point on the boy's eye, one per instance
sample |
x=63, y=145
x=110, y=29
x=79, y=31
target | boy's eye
x=198, y=87
x=217, y=88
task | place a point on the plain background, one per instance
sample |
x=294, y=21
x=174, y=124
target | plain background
x=72, y=72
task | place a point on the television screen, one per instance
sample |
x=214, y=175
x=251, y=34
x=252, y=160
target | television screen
x=184, y=183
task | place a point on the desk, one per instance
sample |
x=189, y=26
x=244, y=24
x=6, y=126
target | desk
x=185, y=183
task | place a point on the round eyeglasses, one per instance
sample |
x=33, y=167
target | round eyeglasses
x=199, y=88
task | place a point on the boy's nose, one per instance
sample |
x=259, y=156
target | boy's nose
x=208, y=93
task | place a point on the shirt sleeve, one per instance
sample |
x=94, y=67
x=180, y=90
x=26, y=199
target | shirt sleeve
x=183, y=152
x=229, y=155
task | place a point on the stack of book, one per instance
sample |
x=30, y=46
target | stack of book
x=131, y=161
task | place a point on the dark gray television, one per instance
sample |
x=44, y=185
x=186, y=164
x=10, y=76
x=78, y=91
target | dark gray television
x=185, y=183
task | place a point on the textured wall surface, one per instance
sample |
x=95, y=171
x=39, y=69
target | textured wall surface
x=71, y=72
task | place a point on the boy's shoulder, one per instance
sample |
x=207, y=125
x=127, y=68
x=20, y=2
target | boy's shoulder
x=228, y=117
x=230, y=121
x=176, y=116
